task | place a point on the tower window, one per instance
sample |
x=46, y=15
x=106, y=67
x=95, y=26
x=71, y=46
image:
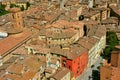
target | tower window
x=13, y=16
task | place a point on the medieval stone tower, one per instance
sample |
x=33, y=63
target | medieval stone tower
x=16, y=18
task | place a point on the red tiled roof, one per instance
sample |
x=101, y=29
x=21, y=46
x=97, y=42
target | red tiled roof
x=1, y=79
x=60, y=73
x=111, y=20
x=12, y=41
x=10, y=76
x=116, y=9
x=28, y=75
x=60, y=23
x=14, y=10
x=85, y=43
x=72, y=52
x=20, y=50
x=33, y=63
x=15, y=68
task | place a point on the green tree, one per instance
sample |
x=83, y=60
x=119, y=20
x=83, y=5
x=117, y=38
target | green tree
x=2, y=10
x=22, y=8
x=2, y=6
x=112, y=41
x=27, y=5
x=12, y=5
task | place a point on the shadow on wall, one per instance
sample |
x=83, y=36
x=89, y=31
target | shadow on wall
x=95, y=75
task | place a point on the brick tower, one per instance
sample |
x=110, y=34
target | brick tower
x=115, y=57
x=16, y=20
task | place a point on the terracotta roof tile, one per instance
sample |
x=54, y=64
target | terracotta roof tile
x=2, y=79
x=2, y=72
x=115, y=74
x=63, y=34
x=14, y=9
x=20, y=50
x=15, y=68
x=116, y=9
x=101, y=31
x=50, y=70
x=11, y=76
x=60, y=73
x=29, y=75
x=32, y=63
x=93, y=40
x=63, y=23
x=40, y=48
x=12, y=41
x=84, y=42
x=4, y=67
x=4, y=19
x=64, y=29
x=71, y=52
x=111, y=20
x=22, y=1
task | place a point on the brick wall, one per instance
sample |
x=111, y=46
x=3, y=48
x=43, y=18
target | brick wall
x=106, y=72
x=115, y=59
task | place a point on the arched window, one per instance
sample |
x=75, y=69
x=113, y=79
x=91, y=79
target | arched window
x=81, y=17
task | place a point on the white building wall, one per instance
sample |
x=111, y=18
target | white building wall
x=94, y=52
x=66, y=77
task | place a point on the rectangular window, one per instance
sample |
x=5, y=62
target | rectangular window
x=58, y=55
x=52, y=54
x=13, y=16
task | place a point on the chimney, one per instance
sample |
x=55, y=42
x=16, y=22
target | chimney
x=118, y=1
x=106, y=4
x=49, y=2
x=61, y=4
x=90, y=4
x=80, y=1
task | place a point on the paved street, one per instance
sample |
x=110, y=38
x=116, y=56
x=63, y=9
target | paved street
x=88, y=72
